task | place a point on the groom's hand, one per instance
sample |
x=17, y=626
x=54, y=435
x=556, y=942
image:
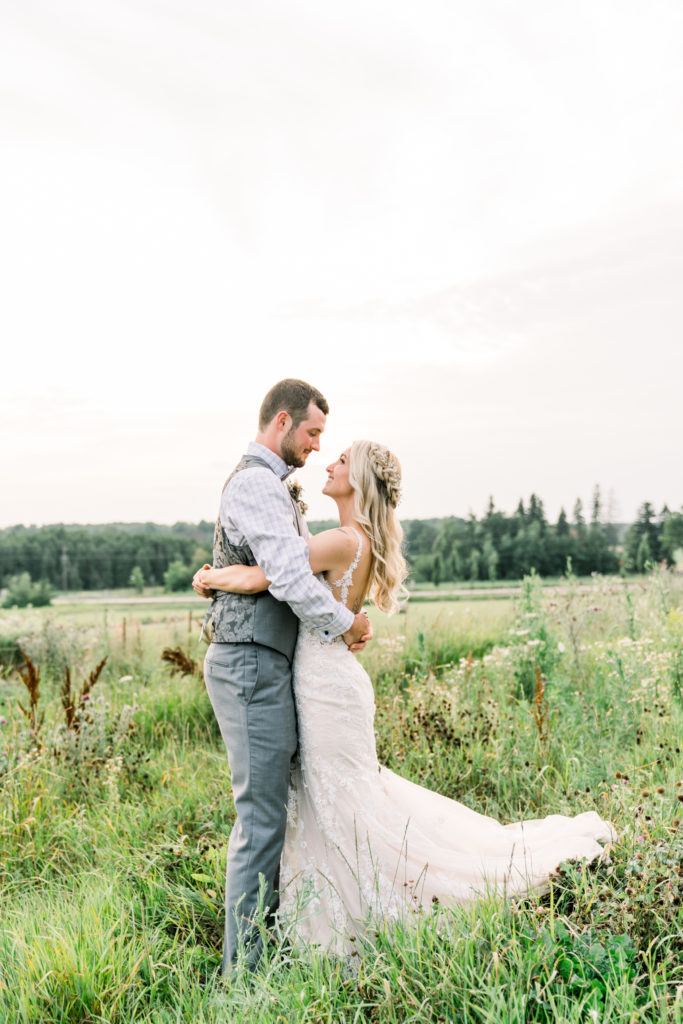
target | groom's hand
x=358, y=635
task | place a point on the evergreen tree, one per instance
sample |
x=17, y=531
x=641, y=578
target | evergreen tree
x=597, y=506
x=672, y=537
x=536, y=513
x=455, y=565
x=580, y=556
x=643, y=554
x=446, y=538
x=532, y=550
x=562, y=544
x=437, y=570
x=562, y=528
x=579, y=520
x=612, y=514
x=644, y=526
x=421, y=568
x=490, y=556
x=596, y=554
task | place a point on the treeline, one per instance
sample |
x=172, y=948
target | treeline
x=496, y=546
x=101, y=557
x=506, y=547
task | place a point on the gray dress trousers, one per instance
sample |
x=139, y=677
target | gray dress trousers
x=250, y=688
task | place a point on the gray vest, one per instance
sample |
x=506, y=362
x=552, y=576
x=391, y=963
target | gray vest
x=247, y=618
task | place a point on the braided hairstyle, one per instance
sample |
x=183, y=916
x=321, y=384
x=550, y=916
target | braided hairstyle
x=375, y=476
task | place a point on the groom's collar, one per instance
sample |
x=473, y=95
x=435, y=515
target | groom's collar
x=278, y=465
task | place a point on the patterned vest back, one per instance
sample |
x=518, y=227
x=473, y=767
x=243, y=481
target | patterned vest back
x=245, y=618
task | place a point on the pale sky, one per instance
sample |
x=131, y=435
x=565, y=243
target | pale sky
x=462, y=221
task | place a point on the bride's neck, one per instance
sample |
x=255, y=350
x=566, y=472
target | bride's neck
x=347, y=511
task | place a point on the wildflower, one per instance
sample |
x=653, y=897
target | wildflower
x=561, y=647
x=3, y=720
x=126, y=679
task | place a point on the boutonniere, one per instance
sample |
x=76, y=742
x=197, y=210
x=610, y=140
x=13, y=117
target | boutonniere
x=296, y=491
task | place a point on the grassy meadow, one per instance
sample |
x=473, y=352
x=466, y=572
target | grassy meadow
x=115, y=811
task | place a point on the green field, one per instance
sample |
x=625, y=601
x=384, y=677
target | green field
x=113, y=828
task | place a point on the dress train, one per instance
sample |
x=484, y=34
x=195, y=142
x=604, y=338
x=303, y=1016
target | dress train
x=363, y=843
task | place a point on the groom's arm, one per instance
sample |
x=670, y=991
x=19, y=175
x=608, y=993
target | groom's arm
x=257, y=507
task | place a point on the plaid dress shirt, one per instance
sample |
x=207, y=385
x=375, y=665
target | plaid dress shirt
x=256, y=509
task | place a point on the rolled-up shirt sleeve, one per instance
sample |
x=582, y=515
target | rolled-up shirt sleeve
x=256, y=508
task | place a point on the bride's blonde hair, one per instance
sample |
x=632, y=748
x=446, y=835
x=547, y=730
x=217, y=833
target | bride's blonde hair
x=375, y=476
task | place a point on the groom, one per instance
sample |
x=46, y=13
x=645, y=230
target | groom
x=248, y=667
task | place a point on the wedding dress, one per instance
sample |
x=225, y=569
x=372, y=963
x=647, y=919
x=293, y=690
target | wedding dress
x=364, y=844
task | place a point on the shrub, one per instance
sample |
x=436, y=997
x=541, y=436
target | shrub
x=533, y=645
x=177, y=577
x=22, y=592
x=137, y=579
x=104, y=750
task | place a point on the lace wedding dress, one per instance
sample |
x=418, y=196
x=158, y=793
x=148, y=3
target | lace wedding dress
x=363, y=843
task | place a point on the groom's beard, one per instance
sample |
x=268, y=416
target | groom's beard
x=289, y=452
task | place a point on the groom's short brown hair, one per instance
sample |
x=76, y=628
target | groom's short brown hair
x=294, y=396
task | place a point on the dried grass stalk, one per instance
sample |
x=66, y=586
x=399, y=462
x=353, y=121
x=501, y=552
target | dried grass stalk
x=72, y=707
x=179, y=661
x=30, y=677
x=540, y=710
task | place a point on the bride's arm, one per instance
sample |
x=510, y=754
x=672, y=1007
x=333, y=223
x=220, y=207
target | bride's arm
x=331, y=549
x=237, y=579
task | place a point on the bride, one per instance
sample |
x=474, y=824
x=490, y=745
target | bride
x=363, y=843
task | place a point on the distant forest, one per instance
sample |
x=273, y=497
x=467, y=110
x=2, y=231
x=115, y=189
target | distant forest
x=495, y=546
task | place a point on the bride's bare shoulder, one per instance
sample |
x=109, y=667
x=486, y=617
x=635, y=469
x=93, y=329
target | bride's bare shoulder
x=332, y=549
x=342, y=538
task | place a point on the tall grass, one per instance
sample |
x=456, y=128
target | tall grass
x=112, y=854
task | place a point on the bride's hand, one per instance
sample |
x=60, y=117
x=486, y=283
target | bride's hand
x=358, y=635
x=199, y=582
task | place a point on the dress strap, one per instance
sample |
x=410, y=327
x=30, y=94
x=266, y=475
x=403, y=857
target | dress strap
x=344, y=582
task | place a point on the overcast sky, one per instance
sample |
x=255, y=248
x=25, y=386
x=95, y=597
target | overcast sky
x=462, y=221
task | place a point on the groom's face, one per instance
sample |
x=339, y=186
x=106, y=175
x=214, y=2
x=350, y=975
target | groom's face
x=299, y=442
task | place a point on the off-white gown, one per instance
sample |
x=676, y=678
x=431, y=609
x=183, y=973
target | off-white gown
x=364, y=844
